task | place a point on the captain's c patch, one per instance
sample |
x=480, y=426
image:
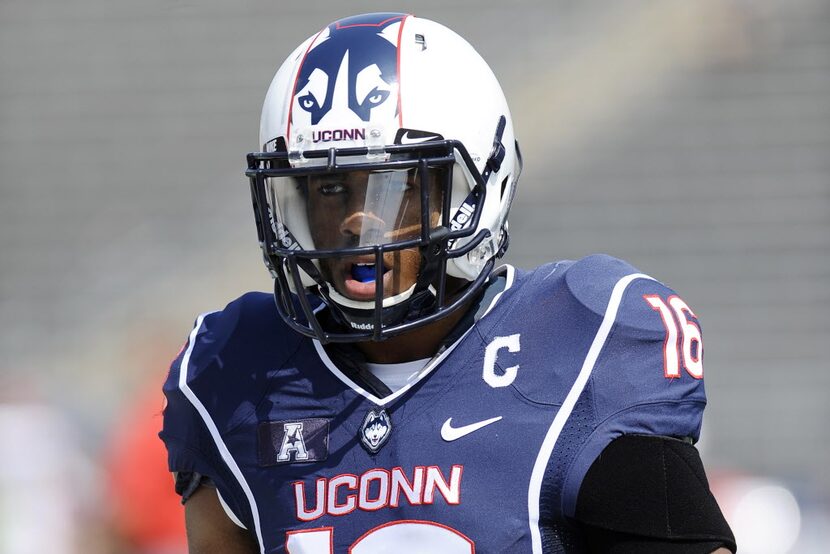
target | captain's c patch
x=292, y=441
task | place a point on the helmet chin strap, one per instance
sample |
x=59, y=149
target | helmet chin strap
x=418, y=300
x=396, y=309
x=341, y=300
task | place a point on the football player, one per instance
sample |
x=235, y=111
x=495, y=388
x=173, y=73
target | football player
x=399, y=392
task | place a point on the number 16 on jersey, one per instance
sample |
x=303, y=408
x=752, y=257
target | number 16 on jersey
x=675, y=315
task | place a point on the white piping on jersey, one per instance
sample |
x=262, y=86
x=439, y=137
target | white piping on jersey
x=548, y=444
x=511, y=275
x=433, y=363
x=229, y=512
x=214, y=431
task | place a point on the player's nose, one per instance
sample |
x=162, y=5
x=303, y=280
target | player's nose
x=363, y=227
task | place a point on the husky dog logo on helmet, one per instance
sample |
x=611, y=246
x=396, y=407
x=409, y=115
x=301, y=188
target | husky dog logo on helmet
x=349, y=76
x=374, y=194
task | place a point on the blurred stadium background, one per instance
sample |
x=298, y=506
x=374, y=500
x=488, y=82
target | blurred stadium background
x=690, y=138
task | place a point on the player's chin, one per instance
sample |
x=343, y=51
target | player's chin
x=404, y=267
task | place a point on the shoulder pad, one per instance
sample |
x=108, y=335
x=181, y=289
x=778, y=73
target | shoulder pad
x=592, y=280
x=216, y=382
x=232, y=351
x=246, y=329
x=646, y=371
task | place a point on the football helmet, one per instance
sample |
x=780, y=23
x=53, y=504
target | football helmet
x=388, y=165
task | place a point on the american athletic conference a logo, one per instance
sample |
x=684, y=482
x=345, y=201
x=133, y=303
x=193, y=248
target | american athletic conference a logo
x=349, y=78
x=294, y=441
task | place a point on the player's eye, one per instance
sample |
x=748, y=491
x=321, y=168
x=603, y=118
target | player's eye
x=331, y=189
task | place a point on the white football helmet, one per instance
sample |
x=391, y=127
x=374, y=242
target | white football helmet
x=388, y=164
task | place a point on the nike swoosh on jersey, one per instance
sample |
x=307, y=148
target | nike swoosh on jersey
x=450, y=433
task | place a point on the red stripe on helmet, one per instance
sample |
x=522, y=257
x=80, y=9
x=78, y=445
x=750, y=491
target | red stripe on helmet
x=400, y=88
x=380, y=24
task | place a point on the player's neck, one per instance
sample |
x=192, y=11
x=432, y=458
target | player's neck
x=417, y=344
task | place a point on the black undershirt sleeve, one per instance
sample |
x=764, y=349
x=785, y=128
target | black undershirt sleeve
x=187, y=483
x=649, y=495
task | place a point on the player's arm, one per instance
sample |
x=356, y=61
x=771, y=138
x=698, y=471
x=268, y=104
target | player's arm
x=198, y=468
x=631, y=485
x=210, y=530
x=649, y=494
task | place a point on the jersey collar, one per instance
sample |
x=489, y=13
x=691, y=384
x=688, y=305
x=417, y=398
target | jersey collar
x=345, y=361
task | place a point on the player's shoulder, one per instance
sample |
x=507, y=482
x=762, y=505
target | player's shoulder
x=249, y=318
x=612, y=287
x=225, y=363
x=247, y=310
x=588, y=275
x=597, y=273
x=247, y=330
x=598, y=283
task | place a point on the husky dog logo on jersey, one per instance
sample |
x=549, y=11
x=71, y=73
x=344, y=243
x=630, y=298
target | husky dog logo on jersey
x=375, y=431
x=349, y=77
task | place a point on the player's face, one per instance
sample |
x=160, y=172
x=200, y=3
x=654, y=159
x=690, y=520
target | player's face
x=363, y=208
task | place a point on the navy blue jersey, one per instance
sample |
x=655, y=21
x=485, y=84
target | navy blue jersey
x=484, y=452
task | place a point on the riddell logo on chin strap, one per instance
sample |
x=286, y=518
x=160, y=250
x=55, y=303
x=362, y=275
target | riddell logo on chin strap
x=333, y=135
